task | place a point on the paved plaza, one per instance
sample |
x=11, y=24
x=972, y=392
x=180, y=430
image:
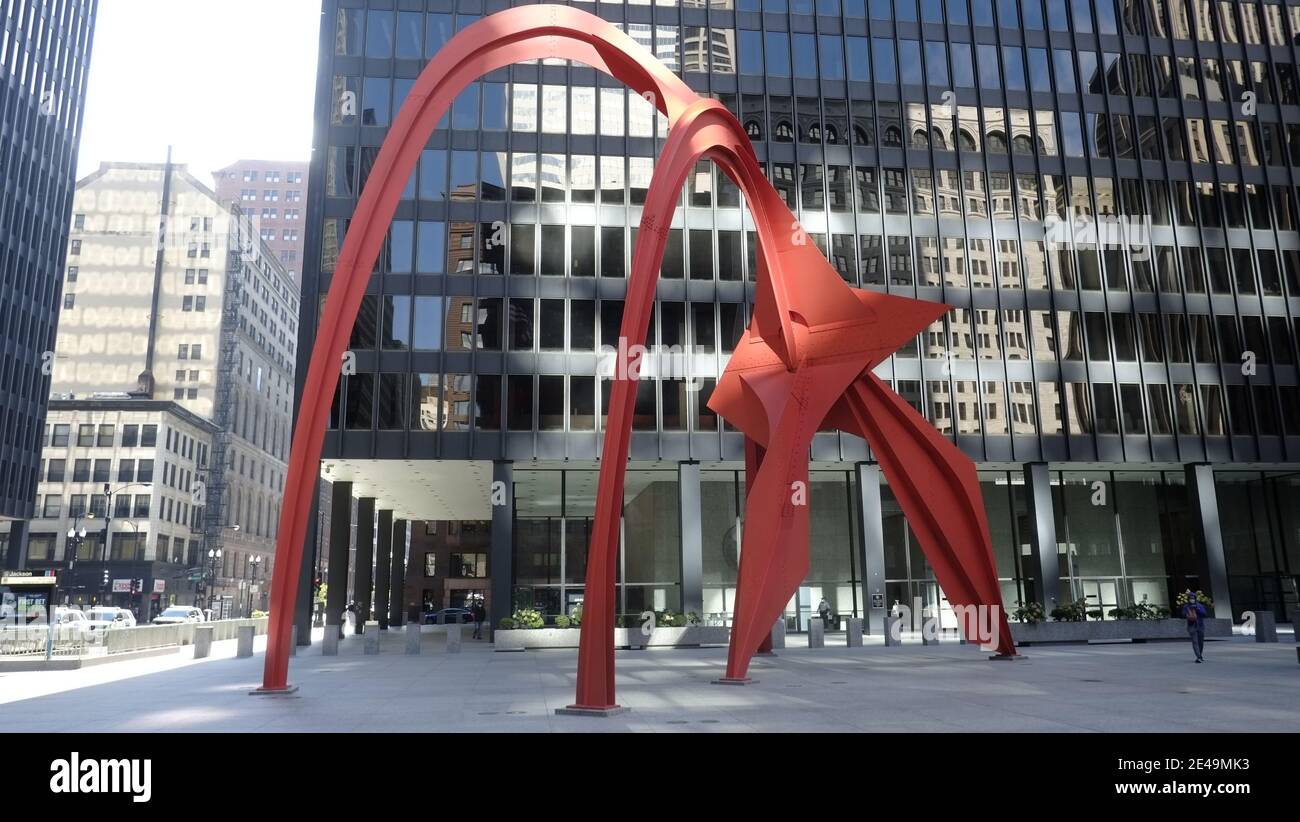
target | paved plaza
x=1244, y=686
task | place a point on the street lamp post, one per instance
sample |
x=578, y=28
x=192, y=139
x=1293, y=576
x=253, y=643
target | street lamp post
x=76, y=536
x=256, y=563
x=214, y=556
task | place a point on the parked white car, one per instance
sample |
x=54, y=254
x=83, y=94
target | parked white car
x=71, y=621
x=102, y=618
x=177, y=614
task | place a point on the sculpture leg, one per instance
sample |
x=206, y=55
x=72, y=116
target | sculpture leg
x=774, y=548
x=937, y=488
x=753, y=461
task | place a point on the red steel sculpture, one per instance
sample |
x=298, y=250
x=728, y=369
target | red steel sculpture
x=803, y=365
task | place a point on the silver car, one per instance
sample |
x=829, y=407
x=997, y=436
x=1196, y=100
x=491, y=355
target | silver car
x=102, y=618
x=178, y=613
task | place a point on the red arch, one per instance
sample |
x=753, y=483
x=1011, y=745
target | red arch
x=806, y=324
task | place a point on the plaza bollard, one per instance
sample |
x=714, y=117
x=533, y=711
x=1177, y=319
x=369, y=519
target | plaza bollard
x=816, y=633
x=244, y=641
x=930, y=631
x=371, y=634
x=1265, y=626
x=893, y=631
x=637, y=638
x=412, y=638
x=778, y=634
x=453, y=638
x=853, y=634
x=202, y=641
x=330, y=647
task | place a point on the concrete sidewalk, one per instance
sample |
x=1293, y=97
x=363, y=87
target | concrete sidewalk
x=1244, y=686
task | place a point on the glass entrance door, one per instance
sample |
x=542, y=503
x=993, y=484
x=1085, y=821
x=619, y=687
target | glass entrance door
x=1100, y=595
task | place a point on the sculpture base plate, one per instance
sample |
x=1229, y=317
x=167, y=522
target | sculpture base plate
x=726, y=680
x=578, y=710
x=285, y=691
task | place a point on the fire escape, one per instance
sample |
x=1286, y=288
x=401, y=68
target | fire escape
x=239, y=252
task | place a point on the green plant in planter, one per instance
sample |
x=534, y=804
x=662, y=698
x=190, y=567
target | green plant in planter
x=1029, y=612
x=529, y=618
x=562, y=621
x=693, y=618
x=671, y=619
x=506, y=624
x=575, y=616
x=1075, y=611
x=1140, y=610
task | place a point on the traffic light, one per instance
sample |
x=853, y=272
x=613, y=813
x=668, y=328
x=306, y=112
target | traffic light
x=105, y=577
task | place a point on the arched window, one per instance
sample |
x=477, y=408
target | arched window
x=754, y=130
x=967, y=141
x=784, y=132
x=893, y=136
x=860, y=136
x=996, y=141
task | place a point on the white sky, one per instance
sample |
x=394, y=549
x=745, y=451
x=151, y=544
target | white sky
x=219, y=80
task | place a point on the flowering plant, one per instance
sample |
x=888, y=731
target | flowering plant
x=1187, y=597
x=1030, y=612
x=528, y=618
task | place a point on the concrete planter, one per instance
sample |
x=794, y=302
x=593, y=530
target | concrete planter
x=1135, y=630
x=523, y=639
x=693, y=636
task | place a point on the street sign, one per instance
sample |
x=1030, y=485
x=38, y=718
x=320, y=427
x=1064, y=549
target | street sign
x=159, y=585
x=121, y=586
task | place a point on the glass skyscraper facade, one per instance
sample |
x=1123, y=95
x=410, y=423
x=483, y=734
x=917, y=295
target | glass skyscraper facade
x=1104, y=192
x=44, y=57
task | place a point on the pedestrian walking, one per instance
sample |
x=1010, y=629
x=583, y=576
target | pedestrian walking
x=480, y=613
x=1194, y=612
x=824, y=611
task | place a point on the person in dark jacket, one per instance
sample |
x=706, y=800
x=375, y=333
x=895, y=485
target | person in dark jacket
x=480, y=614
x=1195, y=613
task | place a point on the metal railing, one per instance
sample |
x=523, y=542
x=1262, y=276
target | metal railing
x=63, y=640
x=43, y=640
